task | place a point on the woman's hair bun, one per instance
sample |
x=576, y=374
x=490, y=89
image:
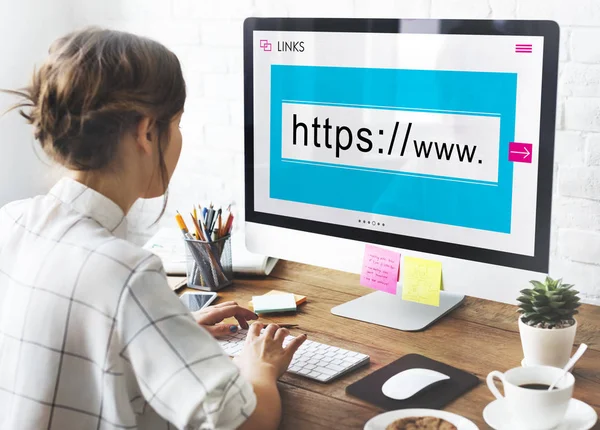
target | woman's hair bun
x=94, y=86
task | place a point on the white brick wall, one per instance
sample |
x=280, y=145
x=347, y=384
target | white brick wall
x=580, y=246
x=566, y=13
x=582, y=182
x=207, y=36
x=582, y=113
x=593, y=150
x=584, y=45
x=385, y=8
x=460, y=8
x=569, y=148
x=579, y=79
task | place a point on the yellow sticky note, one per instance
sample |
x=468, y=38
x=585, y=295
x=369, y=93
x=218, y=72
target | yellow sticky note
x=422, y=280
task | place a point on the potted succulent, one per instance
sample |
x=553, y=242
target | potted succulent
x=547, y=324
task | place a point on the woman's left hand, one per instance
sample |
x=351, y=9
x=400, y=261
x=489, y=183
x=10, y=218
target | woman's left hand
x=210, y=318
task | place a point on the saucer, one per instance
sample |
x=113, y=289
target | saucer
x=579, y=416
x=381, y=421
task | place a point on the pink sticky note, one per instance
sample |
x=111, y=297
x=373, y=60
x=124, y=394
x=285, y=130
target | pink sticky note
x=380, y=269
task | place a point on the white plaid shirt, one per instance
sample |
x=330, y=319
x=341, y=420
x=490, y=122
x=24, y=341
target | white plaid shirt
x=91, y=336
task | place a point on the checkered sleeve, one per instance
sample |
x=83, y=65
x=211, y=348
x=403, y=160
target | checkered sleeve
x=3, y=226
x=181, y=370
x=7, y=222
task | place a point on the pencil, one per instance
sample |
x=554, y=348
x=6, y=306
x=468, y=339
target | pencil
x=226, y=223
x=181, y=224
x=287, y=325
x=228, y=227
x=209, y=219
x=199, y=234
x=219, y=223
x=282, y=325
x=205, y=231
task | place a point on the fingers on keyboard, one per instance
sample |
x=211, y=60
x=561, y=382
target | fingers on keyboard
x=312, y=359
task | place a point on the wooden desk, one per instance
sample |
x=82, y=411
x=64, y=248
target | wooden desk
x=479, y=337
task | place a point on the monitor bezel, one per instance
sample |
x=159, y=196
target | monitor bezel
x=539, y=262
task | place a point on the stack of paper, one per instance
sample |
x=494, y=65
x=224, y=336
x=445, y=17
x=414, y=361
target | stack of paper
x=168, y=244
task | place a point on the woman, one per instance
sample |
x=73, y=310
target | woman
x=91, y=336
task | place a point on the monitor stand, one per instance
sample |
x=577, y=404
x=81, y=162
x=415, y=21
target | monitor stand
x=391, y=311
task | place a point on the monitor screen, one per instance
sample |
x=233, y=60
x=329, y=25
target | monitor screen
x=423, y=137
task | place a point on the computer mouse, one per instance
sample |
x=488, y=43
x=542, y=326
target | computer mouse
x=409, y=382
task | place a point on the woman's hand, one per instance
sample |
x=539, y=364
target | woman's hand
x=263, y=355
x=210, y=318
x=262, y=361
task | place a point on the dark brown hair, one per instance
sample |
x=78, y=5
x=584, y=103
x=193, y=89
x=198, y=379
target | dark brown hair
x=95, y=86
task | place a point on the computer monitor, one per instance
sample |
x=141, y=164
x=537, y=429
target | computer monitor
x=432, y=137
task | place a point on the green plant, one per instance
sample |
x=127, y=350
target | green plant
x=551, y=304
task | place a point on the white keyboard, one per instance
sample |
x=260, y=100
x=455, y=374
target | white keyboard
x=313, y=360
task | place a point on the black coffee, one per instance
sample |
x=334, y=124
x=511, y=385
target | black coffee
x=536, y=386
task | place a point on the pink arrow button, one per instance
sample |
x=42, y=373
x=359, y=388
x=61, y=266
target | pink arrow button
x=519, y=152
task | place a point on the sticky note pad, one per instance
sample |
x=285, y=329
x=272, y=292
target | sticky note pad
x=299, y=298
x=380, y=269
x=274, y=303
x=422, y=280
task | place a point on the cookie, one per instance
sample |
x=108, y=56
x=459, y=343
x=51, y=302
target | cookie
x=421, y=423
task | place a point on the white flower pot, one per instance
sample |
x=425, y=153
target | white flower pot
x=547, y=347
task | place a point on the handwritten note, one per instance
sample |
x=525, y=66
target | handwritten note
x=422, y=281
x=380, y=269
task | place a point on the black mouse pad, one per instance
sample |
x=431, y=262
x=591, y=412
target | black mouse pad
x=435, y=396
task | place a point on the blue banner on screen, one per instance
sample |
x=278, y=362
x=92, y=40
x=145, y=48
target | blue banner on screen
x=418, y=144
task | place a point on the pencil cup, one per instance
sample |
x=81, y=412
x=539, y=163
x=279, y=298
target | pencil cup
x=208, y=264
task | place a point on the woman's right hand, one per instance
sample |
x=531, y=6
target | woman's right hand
x=263, y=355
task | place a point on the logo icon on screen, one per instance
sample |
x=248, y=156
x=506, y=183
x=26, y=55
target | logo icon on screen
x=523, y=48
x=266, y=45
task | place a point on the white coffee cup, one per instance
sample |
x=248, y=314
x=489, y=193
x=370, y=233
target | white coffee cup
x=529, y=408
